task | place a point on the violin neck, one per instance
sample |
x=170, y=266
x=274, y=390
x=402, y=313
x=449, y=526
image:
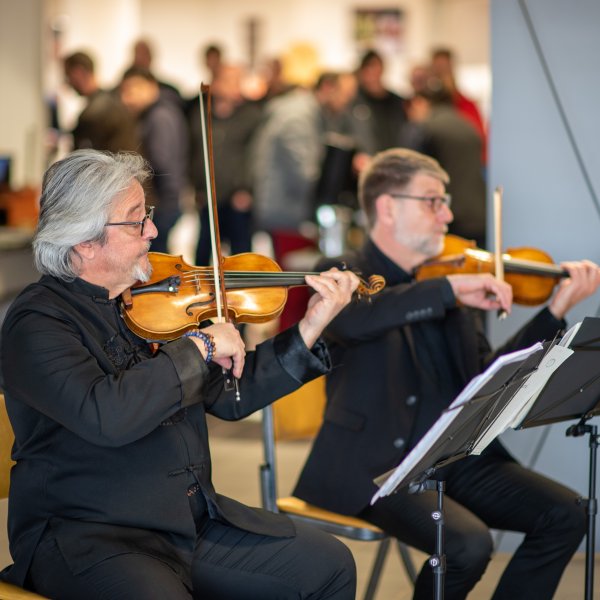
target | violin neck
x=258, y=279
x=531, y=267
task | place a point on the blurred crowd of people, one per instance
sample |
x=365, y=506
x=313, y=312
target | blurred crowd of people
x=281, y=150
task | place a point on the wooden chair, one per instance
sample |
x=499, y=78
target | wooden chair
x=334, y=523
x=8, y=591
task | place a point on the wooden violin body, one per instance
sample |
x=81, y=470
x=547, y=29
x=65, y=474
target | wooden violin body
x=530, y=271
x=179, y=296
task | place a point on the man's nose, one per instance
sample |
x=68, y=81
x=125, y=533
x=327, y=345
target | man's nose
x=150, y=230
x=445, y=214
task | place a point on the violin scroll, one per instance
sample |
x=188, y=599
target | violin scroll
x=366, y=289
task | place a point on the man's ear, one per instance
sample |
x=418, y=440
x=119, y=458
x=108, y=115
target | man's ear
x=86, y=250
x=384, y=209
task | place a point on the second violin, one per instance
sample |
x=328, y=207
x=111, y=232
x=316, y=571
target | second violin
x=530, y=271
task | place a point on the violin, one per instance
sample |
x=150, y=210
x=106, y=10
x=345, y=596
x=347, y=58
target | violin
x=531, y=272
x=179, y=296
x=245, y=288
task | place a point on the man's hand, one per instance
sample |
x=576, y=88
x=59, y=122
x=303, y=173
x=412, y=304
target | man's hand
x=230, y=351
x=481, y=291
x=583, y=281
x=334, y=290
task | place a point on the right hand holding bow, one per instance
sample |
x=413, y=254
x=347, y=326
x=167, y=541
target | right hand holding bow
x=481, y=291
x=230, y=350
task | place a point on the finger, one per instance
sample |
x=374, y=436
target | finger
x=346, y=281
x=224, y=361
x=326, y=286
x=239, y=358
x=491, y=304
x=503, y=294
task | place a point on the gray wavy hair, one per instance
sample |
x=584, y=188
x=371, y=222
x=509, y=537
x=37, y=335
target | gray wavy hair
x=77, y=195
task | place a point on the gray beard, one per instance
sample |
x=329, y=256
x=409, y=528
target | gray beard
x=140, y=274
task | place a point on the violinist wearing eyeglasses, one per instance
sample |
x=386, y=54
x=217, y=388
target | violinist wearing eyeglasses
x=399, y=362
x=111, y=496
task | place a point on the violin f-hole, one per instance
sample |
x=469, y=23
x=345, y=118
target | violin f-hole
x=200, y=303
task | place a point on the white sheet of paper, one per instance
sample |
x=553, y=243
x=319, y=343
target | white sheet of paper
x=535, y=384
x=520, y=404
x=569, y=335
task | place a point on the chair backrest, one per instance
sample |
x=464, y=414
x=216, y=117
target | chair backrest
x=6, y=441
x=300, y=414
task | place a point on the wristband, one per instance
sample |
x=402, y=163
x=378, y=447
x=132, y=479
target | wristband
x=207, y=338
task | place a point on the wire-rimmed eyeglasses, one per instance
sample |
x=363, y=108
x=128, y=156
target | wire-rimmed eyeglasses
x=149, y=215
x=435, y=203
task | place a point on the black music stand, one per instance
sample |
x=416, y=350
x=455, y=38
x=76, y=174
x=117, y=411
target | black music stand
x=573, y=392
x=458, y=432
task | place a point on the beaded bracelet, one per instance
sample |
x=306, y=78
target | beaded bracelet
x=207, y=338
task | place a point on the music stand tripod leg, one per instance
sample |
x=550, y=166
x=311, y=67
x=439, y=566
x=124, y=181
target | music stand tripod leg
x=438, y=560
x=590, y=503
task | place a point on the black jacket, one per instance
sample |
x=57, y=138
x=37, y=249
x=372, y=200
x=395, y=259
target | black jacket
x=377, y=384
x=108, y=437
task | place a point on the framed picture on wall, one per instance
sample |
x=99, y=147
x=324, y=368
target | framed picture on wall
x=380, y=29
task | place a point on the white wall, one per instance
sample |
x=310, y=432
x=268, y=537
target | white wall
x=548, y=203
x=21, y=109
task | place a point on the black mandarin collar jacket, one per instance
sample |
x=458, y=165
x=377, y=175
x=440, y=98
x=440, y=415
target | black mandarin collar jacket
x=109, y=437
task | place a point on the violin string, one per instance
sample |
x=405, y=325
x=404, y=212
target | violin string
x=257, y=273
x=246, y=275
x=532, y=265
x=242, y=283
x=192, y=278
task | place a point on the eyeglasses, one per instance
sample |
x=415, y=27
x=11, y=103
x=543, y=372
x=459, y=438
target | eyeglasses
x=435, y=203
x=149, y=215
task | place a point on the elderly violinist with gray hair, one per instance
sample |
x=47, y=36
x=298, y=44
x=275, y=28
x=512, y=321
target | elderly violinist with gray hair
x=111, y=495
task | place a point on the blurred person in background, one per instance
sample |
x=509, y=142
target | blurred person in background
x=164, y=137
x=442, y=133
x=104, y=124
x=142, y=59
x=442, y=67
x=289, y=151
x=213, y=57
x=378, y=114
x=234, y=122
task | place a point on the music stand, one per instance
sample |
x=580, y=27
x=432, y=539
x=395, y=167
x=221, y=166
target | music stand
x=573, y=392
x=458, y=431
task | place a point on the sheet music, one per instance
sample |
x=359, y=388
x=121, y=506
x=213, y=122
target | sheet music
x=480, y=380
x=447, y=417
x=535, y=384
x=520, y=404
x=569, y=335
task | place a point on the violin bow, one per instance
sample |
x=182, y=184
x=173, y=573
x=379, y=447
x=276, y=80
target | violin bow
x=498, y=258
x=231, y=383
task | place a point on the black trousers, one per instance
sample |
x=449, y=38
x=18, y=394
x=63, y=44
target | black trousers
x=482, y=492
x=228, y=564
